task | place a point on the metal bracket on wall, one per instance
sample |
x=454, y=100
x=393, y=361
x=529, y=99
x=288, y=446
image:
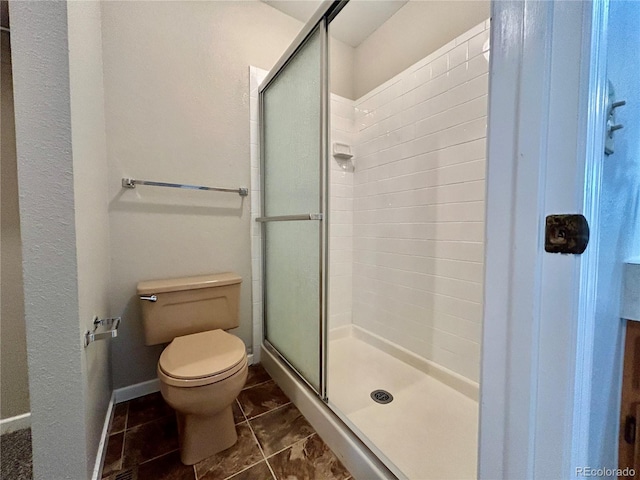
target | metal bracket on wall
x=103, y=328
x=612, y=126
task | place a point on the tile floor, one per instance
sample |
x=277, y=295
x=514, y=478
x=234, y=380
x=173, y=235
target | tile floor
x=274, y=441
x=429, y=431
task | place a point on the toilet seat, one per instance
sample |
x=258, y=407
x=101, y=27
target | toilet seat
x=201, y=359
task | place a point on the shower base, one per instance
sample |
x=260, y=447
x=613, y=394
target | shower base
x=428, y=431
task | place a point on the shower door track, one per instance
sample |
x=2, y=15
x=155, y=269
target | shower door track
x=273, y=350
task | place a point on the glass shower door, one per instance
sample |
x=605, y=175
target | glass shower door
x=293, y=232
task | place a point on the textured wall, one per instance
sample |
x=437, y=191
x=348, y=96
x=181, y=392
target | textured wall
x=47, y=220
x=418, y=205
x=64, y=220
x=177, y=109
x=14, y=386
x=91, y=205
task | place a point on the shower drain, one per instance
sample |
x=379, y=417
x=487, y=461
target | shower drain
x=381, y=396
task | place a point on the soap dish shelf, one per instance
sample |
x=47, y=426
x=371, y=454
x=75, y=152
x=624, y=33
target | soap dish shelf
x=103, y=328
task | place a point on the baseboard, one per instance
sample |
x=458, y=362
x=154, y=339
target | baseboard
x=13, y=424
x=354, y=454
x=138, y=390
x=102, y=447
x=452, y=379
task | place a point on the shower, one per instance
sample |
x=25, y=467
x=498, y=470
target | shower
x=369, y=232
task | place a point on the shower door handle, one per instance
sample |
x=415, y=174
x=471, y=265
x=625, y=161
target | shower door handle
x=289, y=218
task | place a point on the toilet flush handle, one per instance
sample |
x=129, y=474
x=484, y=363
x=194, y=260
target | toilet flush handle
x=151, y=298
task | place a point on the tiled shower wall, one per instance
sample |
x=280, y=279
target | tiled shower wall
x=419, y=205
x=341, y=174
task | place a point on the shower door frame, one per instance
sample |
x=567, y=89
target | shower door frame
x=319, y=21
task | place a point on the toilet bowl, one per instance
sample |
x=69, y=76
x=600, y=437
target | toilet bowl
x=204, y=368
x=200, y=376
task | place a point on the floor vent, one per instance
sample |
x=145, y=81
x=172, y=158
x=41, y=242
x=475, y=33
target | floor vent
x=380, y=396
x=127, y=475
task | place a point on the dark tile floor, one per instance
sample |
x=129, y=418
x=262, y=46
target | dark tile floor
x=274, y=441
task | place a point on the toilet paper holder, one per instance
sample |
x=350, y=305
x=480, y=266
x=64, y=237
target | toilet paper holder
x=103, y=328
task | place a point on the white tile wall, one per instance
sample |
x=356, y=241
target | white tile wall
x=256, y=75
x=341, y=215
x=418, y=205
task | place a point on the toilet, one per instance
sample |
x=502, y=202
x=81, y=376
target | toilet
x=203, y=368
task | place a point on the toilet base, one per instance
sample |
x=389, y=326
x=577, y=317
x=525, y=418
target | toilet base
x=202, y=436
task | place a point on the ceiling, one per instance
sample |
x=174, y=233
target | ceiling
x=358, y=20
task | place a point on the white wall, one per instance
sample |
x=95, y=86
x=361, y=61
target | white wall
x=619, y=230
x=176, y=78
x=341, y=64
x=417, y=196
x=14, y=387
x=416, y=30
x=91, y=206
x=60, y=141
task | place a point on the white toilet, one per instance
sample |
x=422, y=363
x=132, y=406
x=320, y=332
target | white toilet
x=204, y=368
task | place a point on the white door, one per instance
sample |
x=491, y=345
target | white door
x=551, y=340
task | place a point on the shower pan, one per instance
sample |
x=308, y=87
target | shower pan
x=370, y=273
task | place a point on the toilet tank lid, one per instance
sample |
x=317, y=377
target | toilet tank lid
x=188, y=283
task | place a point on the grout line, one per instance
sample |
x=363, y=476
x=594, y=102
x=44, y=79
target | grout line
x=414, y=289
x=429, y=274
x=413, y=255
x=294, y=443
x=269, y=411
x=257, y=385
x=126, y=418
x=155, y=458
x=242, y=412
x=150, y=421
x=244, y=469
x=416, y=172
x=476, y=262
x=264, y=457
x=124, y=439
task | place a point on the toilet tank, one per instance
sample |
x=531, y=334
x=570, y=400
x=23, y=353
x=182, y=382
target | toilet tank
x=181, y=306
